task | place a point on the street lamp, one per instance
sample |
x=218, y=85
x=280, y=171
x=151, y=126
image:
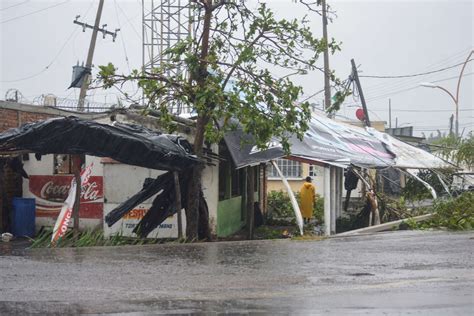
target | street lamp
x=455, y=98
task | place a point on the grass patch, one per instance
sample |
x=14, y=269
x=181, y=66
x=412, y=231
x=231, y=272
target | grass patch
x=89, y=238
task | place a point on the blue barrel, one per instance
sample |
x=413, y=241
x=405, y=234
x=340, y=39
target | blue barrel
x=23, y=217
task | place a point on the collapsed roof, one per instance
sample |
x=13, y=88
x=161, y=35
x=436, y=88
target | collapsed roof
x=330, y=142
x=126, y=143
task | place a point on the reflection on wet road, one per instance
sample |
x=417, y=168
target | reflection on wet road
x=424, y=273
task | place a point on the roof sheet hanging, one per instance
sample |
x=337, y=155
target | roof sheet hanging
x=336, y=143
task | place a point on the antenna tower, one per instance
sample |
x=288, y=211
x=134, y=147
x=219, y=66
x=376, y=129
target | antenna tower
x=164, y=24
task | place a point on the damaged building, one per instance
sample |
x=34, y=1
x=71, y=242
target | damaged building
x=113, y=181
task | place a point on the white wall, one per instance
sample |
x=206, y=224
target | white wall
x=122, y=182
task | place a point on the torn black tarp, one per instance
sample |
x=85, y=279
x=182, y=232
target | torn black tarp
x=163, y=205
x=150, y=188
x=130, y=144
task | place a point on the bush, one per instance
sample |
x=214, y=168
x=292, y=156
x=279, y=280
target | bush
x=415, y=190
x=454, y=214
x=280, y=207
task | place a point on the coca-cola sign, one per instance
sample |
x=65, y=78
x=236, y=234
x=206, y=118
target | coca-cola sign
x=51, y=191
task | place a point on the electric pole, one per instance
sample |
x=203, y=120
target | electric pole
x=77, y=159
x=355, y=76
x=327, y=75
x=389, y=113
x=90, y=54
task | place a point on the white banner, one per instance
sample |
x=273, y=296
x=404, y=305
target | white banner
x=64, y=218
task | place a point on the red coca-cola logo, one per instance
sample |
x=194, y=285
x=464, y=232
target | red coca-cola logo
x=54, y=191
x=56, y=188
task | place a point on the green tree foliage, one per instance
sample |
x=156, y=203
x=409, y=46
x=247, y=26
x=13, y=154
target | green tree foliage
x=453, y=214
x=280, y=206
x=415, y=190
x=456, y=149
x=227, y=72
x=232, y=74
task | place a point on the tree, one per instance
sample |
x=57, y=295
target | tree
x=227, y=76
x=457, y=149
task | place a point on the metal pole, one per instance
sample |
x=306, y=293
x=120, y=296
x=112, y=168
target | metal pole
x=361, y=94
x=389, y=113
x=457, y=91
x=90, y=55
x=327, y=84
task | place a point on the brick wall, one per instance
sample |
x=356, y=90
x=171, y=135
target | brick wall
x=14, y=118
x=11, y=182
x=8, y=119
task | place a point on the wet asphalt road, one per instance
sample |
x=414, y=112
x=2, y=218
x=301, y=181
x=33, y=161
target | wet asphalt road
x=416, y=273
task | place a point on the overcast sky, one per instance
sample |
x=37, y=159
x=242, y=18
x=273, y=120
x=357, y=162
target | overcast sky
x=40, y=44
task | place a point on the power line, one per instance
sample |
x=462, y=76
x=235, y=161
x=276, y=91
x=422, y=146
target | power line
x=384, y=95
x=129, y=19
x=416, y=75
x=14, y=5
x=50, y=64
x=55, y=57
x=121, y=37
x=34, y=12
x=401, y=83
x=424, y=110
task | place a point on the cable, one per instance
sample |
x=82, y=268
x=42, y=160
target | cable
x=14, y=5
x=37, y=11
x=313, y=95
x=49, y=65
x=55, y=57
x=385, y=87
x=121, y=37
x=439, y=64
x=418, y=74
x=424, y=110
x=130, y=19
x=408, y=89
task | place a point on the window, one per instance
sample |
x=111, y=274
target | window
x=289, y=168
x=312, y=171
x=62, y=164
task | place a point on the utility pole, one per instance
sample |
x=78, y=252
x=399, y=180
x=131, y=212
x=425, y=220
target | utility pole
x=355, y=76
x=77, y=159
x=90, y=54
x=389, y=113
x=327, y=83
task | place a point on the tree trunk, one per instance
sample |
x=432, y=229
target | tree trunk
x=194, y=185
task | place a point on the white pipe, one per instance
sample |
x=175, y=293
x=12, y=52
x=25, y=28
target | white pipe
x=296, y=208
x=443, y=184
x=327, y=201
